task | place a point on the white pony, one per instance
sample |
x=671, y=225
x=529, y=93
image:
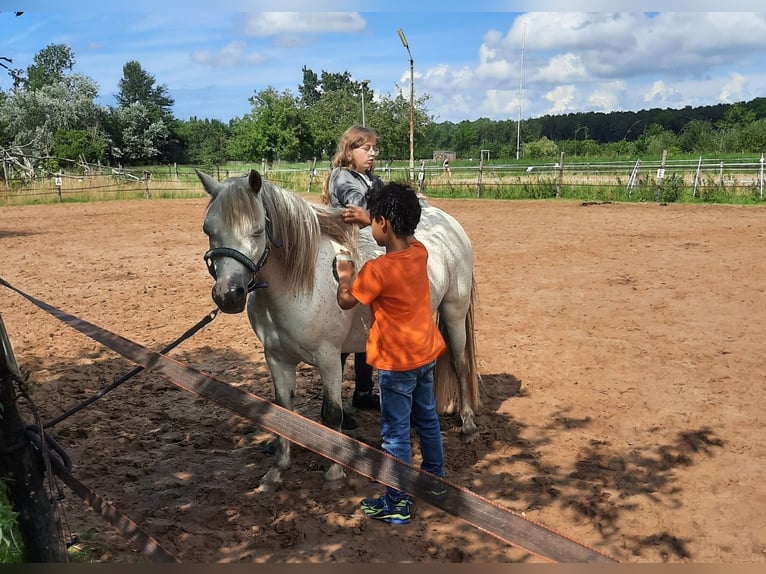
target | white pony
x=271, y=244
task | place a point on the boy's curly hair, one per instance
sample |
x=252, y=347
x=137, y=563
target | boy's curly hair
x=398, y=203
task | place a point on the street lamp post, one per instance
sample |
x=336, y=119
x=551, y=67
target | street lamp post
x=403, y=38
x=364, y=84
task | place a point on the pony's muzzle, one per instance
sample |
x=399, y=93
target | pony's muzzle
x=230, y=299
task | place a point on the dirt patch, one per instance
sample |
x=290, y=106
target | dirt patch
x=621, y=351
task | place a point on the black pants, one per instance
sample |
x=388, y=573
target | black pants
x=362, y=372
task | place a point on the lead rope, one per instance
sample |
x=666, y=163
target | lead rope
x=204, y=321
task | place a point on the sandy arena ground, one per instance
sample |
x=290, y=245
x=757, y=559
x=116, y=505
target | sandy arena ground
x=621, y=349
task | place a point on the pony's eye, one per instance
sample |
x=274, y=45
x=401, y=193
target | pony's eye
x=258, y=232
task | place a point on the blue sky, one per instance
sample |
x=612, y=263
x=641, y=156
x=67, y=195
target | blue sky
x=498, y=60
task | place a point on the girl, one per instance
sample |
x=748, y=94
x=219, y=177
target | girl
x=346, y=187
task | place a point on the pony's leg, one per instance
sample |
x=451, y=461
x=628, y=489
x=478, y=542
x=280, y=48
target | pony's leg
x=283, y=376
x=460, y=363
x=332, y=409
x=454, y=324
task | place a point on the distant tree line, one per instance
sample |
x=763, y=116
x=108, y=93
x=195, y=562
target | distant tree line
x=51, y=119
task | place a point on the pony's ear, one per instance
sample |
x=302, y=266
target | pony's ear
x=255, y=181
x=211, y=185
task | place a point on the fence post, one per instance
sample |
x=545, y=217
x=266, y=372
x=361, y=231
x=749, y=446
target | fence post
x=57, y=180
x=422, y=176
x=312, y=175
x=697, y=176
x=661, y=176
x=761, y=178
x=22, y=465
x=478, y=176
x=147, y=179
x=561, y=175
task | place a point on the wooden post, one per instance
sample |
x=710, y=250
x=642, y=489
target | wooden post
x=147, y=179
x=57, y=180
x=23, y=466
x=478, y=176
x=661, y=176
x=561, y=175
x=312, y=175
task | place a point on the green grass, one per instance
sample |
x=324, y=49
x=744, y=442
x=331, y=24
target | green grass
x=10, y=538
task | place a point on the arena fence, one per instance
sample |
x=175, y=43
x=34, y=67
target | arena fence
x=686, y=180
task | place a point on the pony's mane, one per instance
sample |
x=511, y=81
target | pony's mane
x=294, y=225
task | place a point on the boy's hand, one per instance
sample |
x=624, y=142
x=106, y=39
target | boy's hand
x=355, y=214
x=343, y=266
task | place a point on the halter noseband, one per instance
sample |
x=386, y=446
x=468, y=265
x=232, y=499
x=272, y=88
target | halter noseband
x=243, y=259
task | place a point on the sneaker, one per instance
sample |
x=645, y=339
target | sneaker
x=436, y=489
x=383, y=509
x=368, y=400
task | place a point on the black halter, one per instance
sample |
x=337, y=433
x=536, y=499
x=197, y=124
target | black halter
x=244, y=259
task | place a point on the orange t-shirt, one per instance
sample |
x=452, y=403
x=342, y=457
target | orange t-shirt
x=403, y=335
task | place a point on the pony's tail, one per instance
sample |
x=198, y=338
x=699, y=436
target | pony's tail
x=446, y=381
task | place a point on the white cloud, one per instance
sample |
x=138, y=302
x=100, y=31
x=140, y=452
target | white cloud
x=561, y=68
x=660, y=93
x=561, y=98
x=501, y=103
x=230, y=56
x=277, y=23
x=733, y=89
x=606, y=97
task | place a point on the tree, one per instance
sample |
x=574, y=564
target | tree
x=205, y=141
x=137, y=137
x=137, y=86
x=696, y=137
x=50, y=66
x=274, y=129
x=86, y=144
x=541, y=149
x=310, y=89
x=328, y=118
x=31, y=118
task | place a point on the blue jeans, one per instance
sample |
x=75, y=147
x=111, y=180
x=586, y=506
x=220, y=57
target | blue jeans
x=407, y=397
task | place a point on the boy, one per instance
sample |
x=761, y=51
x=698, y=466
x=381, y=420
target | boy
x=403, y=342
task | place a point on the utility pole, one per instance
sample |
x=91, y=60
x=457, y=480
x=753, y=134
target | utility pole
x=364, y=84
x=521, y=93
x=403, y=38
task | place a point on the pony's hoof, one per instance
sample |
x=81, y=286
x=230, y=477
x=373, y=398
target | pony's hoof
x=267, y=488
x=271, y=481
x=335, y=477
x=333, y=485
x=466, y=438
x=469, y=431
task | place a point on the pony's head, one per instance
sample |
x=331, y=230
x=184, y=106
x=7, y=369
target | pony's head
x=235, y=223
x=256, y=227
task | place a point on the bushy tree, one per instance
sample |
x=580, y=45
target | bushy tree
x=543, y=148
x=205, y=141
x=31, y=118
x=696, y=137
x=274, y=129
x=49, y=67
x=137, y=86
x=137, y=137
x=88, y=145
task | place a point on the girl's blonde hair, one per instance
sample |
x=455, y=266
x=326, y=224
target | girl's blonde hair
x=354, y=137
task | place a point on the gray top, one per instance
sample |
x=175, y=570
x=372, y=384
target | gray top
x=349, y=187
